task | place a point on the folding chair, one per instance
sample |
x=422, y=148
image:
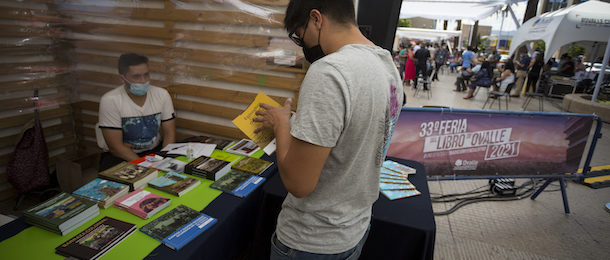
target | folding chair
x=499, y=95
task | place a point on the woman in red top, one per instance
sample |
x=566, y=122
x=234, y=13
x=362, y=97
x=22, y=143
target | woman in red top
x=410, y=66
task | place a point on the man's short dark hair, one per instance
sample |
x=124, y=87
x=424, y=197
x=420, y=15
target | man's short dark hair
x=340, y=11
x=130, y=59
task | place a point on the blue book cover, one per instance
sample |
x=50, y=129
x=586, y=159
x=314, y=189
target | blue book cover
x=238, y=183
x=399, y=194
x=397, y=167
x=188, y=232
x=99, y=189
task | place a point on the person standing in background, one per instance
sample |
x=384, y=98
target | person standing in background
x=440, y=58
x=409, y=66
x=534, y=72
x=522, y=67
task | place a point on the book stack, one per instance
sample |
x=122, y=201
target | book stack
x=178, y=227
x=244, y=147
x=169, y=165
x=208, y=168
x=97, y=239
x=238, y=183
x=130, y=174
x=104, y=192
x=62, y=213
x=394, y=181
x=174, y=183
x=142, y=203
x=251, y=165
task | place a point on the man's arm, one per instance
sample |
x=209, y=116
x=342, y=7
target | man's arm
x=169, y=131
x=300, y=163
x=114, y=140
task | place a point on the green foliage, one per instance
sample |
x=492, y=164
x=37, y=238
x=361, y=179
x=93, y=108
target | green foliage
x=540, y=46
x=406, y=22
x=576, y=50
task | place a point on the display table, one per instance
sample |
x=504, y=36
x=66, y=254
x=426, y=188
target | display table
x=400, y=229
x=227, y=238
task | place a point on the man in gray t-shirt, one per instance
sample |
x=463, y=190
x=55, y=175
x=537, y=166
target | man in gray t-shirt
x=329, y=157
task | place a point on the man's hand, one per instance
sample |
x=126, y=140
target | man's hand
x=271, y=116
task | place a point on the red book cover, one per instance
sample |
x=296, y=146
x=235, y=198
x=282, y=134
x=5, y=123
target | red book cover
x=142, y=203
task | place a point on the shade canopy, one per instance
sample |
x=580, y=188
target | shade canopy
x=588, y=21
x=452, y=9
x=425, y=34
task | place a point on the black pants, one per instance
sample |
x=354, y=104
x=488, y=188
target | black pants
x=531, y=83
x=438, y=66
x=108, y=160
x=423, y=71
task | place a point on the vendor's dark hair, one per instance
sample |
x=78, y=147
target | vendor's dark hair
x=341, y=11
x=509, y=65
x=130, y=59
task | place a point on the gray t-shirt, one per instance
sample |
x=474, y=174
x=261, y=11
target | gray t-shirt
x=350, y=101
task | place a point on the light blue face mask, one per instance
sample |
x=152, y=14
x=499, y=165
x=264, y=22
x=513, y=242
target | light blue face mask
x=138, y=89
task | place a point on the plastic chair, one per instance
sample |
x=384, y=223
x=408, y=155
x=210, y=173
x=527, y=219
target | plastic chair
x=499, y=95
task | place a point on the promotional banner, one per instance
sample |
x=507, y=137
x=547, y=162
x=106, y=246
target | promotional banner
x=490, y=144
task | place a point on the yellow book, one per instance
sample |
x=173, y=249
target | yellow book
x=264, y=139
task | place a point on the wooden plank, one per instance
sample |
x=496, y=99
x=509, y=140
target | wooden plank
x=206, y=109
x=11, y=140
x=85, y=118
x=182, y=135
x=108, y=78
x=123, y=47
x=87, y=105
x=26, y=50
x=31, y=84
x=31, y=67
x=122, y=29
x=214, y=129
x=112, y=61
x=86, y=146
x=239, y=77
x=13, y=121
x=85, y=131
x=255, y=2
x=218, y=94
x=84, y=88
x=202, y=16
x=26, y=14
x=26, y=102
x=25, y=31
x=224, y=38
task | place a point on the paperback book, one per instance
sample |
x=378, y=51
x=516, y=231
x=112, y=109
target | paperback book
x=62, y=213
x=208, y=168
x=130, y=174
x=251, y=165
x=219, y=142
x=142, y=203
x=398, y=168
x=238, y=183
x=243, y=147
x=174, y=183
x=178, y=227
x=399, y=194
x=244, y=122
x=170, y=165
x=104, y=192
x=396, y=186
x=97, y=239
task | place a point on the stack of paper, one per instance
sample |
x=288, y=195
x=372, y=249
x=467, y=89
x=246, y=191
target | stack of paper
x=394, y=181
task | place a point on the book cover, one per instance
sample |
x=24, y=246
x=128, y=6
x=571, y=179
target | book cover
x=61, y=211
x=178, y=227
x=389, y=172
x=399, y=194
x=128, y=173
x=265, y=138
x=220, y=143
x=397, y=167
x=251, y=165
x=142, y=203
x=396, y=186
x=100, y=190
x=238, y=183
x=170, y=165
x=97, y=239
x=174, y=183
x=243, y=147
x=207, y=167
x=148, y=160
x=387, y=180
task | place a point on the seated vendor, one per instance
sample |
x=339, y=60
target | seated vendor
x=135, y=118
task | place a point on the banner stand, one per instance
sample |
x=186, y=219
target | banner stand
x=586, y=169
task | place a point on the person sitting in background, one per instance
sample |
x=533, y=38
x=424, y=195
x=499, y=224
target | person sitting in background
x=566, y=68
x=456, y=60
x=133, y=115
x=482, y=78
x=507, y=77
x=534, y=71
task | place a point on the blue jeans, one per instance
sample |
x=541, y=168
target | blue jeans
x=279, y=251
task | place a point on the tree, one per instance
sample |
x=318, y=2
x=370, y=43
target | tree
x=406, y=22
x=576, y=50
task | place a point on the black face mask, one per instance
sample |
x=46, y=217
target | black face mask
x=314, y=53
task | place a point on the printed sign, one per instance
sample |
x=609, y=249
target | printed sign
x=485, y=144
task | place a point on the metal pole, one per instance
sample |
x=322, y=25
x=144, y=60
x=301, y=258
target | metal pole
x=500, y=33
x=512, y=14
x=602, y=72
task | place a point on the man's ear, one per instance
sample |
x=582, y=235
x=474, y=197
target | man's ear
x=316, y=17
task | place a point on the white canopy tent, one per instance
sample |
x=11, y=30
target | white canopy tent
x=426, y=34
x=452, y=9
x=588, y=21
